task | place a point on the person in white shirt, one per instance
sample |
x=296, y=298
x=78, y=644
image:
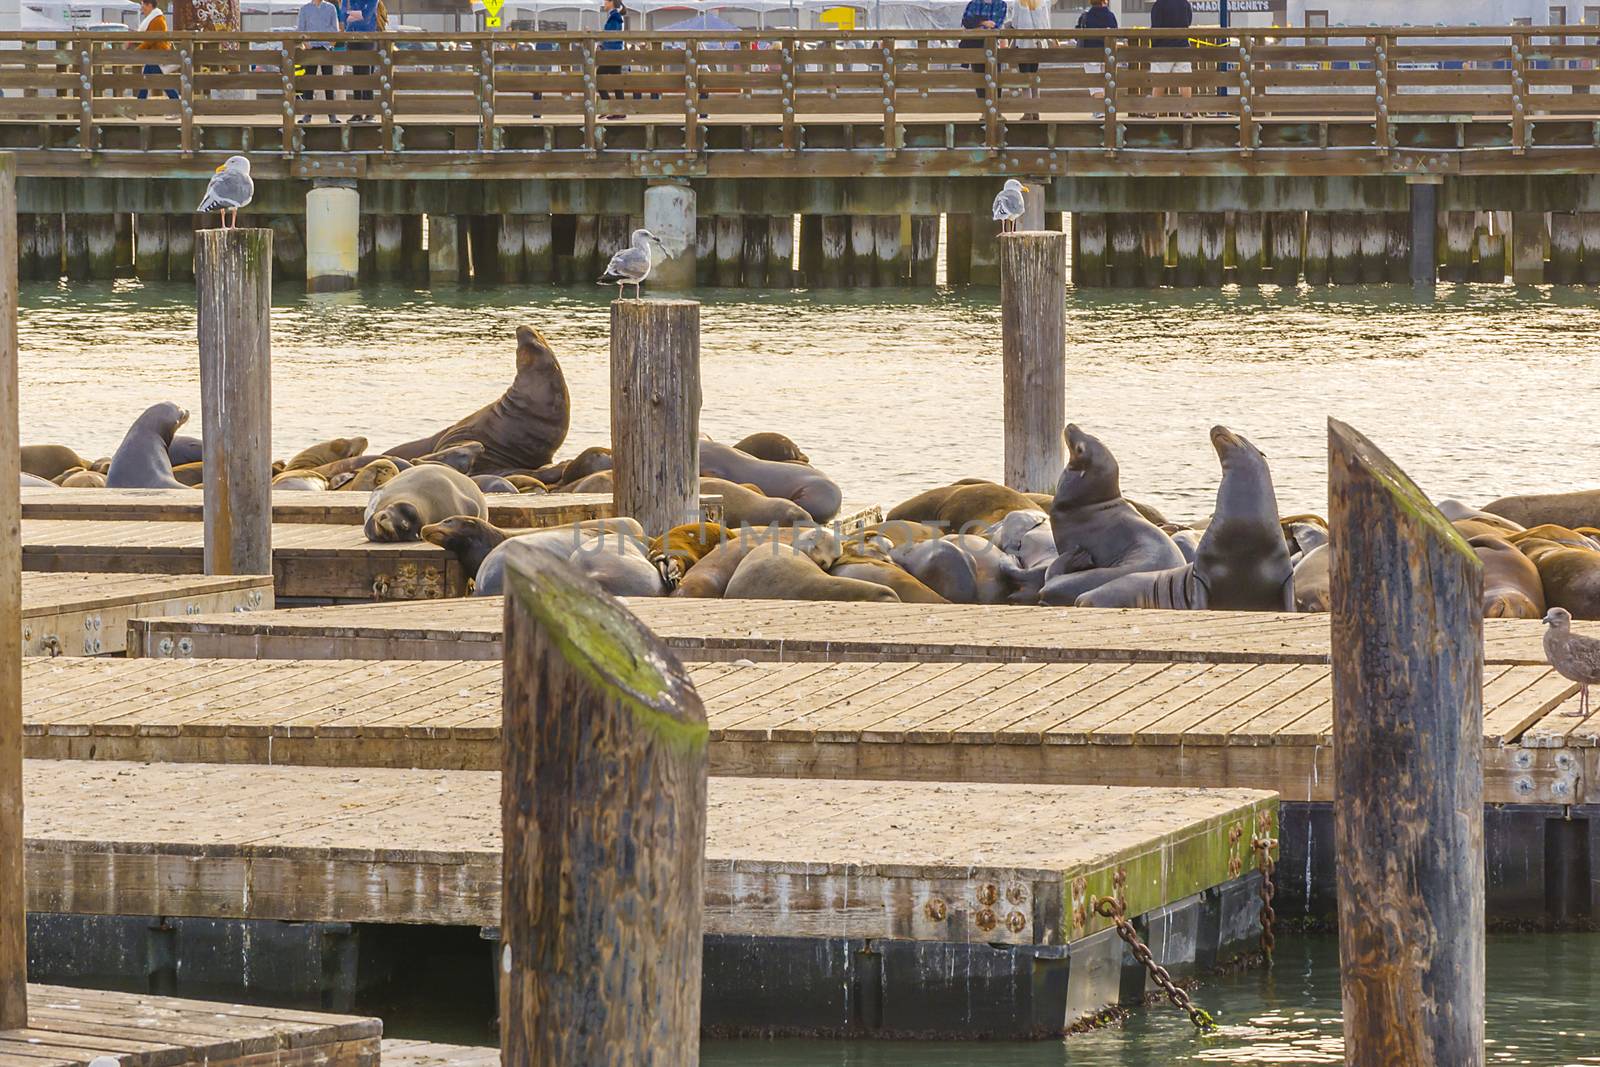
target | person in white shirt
x=1030, y=15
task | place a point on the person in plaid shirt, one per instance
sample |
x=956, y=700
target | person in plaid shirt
x=982, y=15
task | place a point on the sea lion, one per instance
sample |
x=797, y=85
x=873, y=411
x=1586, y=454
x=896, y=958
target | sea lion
x=598, y=482
x=783, y=572
x=1242, y=563
x=1552, y=532
x=50, y=461
x=561, y=541
x=527, y=484
x=1099, y=535
x=681, y=547
x=885, y=573
x=493, y=483
x=620, y=566
x=1026, y=537
x=1000, y=578
x=185, y=449
x=1313, y=577
x=1512, y=588
x=592, y=460
x=468, y=539
x=1188, y=542
x=327, y=452
x=1571, y=510
x=799, y=482
x=332, y=470
x=941, y=566
x=423, y=495
x=964, y=507
x=522, y=429
x=190, y=474
x=709, y=577
x=462, y=457
x=141, y=460
x=1302, y=537
x=84, y=480
x=772, y=446
x=898, y=532
x=292, y=479
x=1569, y=577
x=33, y=481
x=64, y=475
x=1456, y=511
x=368, y=477
x=742, y=506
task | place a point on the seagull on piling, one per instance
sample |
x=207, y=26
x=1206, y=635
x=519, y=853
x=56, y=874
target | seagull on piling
x=230, y=189
x=631, y=266
x=1574, y=656
x=1009, y=205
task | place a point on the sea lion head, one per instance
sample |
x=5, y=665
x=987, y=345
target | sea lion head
x=532, y=348
x=1558, y=619
x=819, y=543
x=1091, y=475
x=462, y=531
x=1008, y=533
x=399, y=521
x=164, y=418
x=592, y=460
x=1233, y=449
x=457, y=457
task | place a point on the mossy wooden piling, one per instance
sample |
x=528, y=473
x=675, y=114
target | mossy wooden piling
x=1089, y=243
x=1287, y=229
x=1033, y=286
x=1407, y=632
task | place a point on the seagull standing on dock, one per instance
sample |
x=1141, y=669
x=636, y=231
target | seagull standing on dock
x=230, y=189
x=1574, y=656
x=631, y=266
x=1009, y=205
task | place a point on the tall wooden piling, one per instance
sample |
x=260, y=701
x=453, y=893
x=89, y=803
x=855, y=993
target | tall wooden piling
x=755, y=250
x=655, y=411
x=446, y=249
x=1089, y=244
x=810, y=250
x=180, y=248
x=1190, y=271
x=1398, y=263
x=1152, y=249
x=538, y=249
x=1459, y=237
x=1407, y=629
x=288, y=247
x=13, y=924
x=863, y=260
x=833, y=268
x=1122, y=234
x=100, y=245
x=1589, y=241
x=75, y=247
x=1423, y=224
x=1249, y=247
x=585, y=235
x=1374, y=251
x=234, y=296
x=730, y=249
x=985, y=257
x=27, y=246
x=780, y=251
x=1033, y=317
x=150, y=247
x=47, y=242
x=1344, y=247
x=1284, y=251
x=1527, y=248
x=888, y=251
x=1491, y=249
x=122, y=251
x=508, y=247
x=603, y=821
x=1566, y=249
x=924, y=250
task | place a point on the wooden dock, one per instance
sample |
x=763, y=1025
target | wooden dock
x=1264, y=726
x=71, y=1027
x=65, y=614
x=795, y=631
x=405, y=1053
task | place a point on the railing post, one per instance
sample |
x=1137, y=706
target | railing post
x=591, y=97
x=1247, y=97
x=1408, y=752
x=1520, y=44
x=993, y=121
x=891, y=124
x=85, y=96
x=791, y=139
x=485, y=96
x=13, y=924
x=1380, y=67
x=655, y=411
x=603, y=824
x=286, y=65
x=186, y=96
x=1113, y=140
x=233, y=274
x=386, y=93
x=1033, y=316
x=691, y=96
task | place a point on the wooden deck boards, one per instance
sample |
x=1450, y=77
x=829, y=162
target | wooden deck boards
x=407, y=1053
x=73, y=1026
x=1262, y=726
x=469, y=628
x=70, y=614
x=783, y=858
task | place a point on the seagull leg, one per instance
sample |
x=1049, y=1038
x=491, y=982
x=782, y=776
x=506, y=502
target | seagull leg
x=1583, y=704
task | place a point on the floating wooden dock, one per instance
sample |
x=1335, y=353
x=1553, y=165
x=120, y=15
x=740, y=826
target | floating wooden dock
x=70, y=1027
x=804, y=631
x=87, y=614
x=952, y=877
x=1264, y=726
x=298, y=506
x=402, y=1053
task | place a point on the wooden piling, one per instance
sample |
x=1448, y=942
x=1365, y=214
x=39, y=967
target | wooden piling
x=585, y=249
x=603, y=823
x=100, y=244
x=755, y=249
x=1318, y=263
x=1407, y=631
x=47, y=242
x=888, y=251
x=1123, y=237
x=288, y=247
x=507, y=249
x=538, y=250
x=1422, y=229
x=366, y=257
x=1566, y=248
x=150, y=247
x=1287, y=230
x=834, y=268
x=447, y=246
x=180, y=248
x=122, y=254
x=924, y=250
x=234, y=297
x=1213, y=242
x=863, y=260
x=1459, y=238
x=1589, y=227
x=1033, y=313
x=13, y=924
x=1374, y=250
x=810, y=250
x=1089, y=242
x=1491, y=264
x=1527, y=248
x=958, y=249
x=985, y=257
x=1345, y=230
x=75, y=247
x=27, y=248
x=1152, y=249
x=413, y=256
x=1249, y=247
x=780, y=251
x=729, y=255
x=1190, y=270
x=655, y=411
x=1396, y=263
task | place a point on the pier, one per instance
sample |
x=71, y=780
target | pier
x=313, y=507
x=66, y=614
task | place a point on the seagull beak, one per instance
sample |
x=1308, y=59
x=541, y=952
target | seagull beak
x=220, y=169
x=1025, y=188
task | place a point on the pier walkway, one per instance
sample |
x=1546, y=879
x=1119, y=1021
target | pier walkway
x=67, y=614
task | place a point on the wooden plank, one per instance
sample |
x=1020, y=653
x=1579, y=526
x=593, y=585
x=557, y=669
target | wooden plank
x=783, y=858
x=74, y=614
x=300, y=506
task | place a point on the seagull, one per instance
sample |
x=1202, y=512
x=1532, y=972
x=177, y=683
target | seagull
x=631, y=266
x=1008, y=205
x=229, y=189
x=1574, y=656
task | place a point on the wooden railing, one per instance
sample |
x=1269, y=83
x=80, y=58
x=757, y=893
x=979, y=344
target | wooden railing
x=1369, y=79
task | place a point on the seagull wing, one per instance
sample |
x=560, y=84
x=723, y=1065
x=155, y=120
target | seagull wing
x=1007, y=205
x=629, y=265
x=1578, y=658
x=228, y=189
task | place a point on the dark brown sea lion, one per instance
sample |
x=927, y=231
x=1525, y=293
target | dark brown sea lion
x=522, y=429
x=742, y=506
x=772, y=446
x=185, y=449
x=885, y=573
x=1457, y=512
x=1512, y=588
x=419, y=497
x=527, y=484
x=327, y=452
x=141, y=461
x=1313, y=579
x=493, y=483
x=50, y=461
x=190, y=474
x=598, y=482
x=332, y=470
x=898, y=532
x=1570, y=577
x=965, y=507
x=463, y=457
x=1572, y=510
x=468, y=539
x=368, y=477
x=941, y=566
x=1550, y=531
x=591, y=460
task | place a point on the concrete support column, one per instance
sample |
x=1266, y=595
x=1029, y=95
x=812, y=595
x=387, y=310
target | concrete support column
x=669, y=213
x=445, y=247
x=1424, y=232
x=1527, y=247
x=1566, y=242
x=333, y=220
x=1033, y=203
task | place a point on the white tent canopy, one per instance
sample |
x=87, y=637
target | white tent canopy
x=747, y=14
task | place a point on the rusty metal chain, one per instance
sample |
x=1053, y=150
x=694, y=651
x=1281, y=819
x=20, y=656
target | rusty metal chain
x=1264, y=847
x=1113, y=908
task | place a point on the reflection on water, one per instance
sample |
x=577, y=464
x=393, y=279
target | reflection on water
x=1477, y=391
x=1542, y=1010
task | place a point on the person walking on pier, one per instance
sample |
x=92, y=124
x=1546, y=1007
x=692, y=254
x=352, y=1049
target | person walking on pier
x=1097, y=16
x=616, y=22
x=151, y=20
x=318, y=16
x=1172, y=15
x=1034, y=16
x=981, y=15
x=362, y=17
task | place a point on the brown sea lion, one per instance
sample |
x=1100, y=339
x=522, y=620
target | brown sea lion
x=565, y=541
x=1550, y=531
x=743, y=506
x=190, y=474
x=527, y=484
x=772, y=446
x=799, y=482
x=782, y=572
x=898, y=532
x=592, y=460
x=327, y=452
x=598, y=482
x=425, y=494
x=1512, y=588
x=462, y=457
x=522, y=429
x=294, y=478
x=681, y=547
x=1457, y=512
x=709, y=577
x=332, y=470
x=83, y=480
x=1571, y=510
x=369, y=477
x=467, y=538
x=51, y=461
x=1570, y=577
x=886, y=573
x=1313, y=580
x=184, y=449
x=964, y=507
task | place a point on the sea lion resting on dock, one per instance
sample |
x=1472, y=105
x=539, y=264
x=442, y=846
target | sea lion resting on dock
x=710, y=577
x=185, y=449
x=325, y=452
x=141, y=460
x=563, y=541
x=1569, y=577
x=966, y=506
x=49, y=462
x=778, y=571
x=799, y=482
x=522, y=429
x=885, y=573
x=423, y=495
x=1563, y=509
x=1242, y=563
x=772, y=446
x=33, y=481
x=1512, y=588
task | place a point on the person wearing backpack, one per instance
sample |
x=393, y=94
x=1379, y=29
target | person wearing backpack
x=1172, y=15
x=361, y=16
x=1097, y=16
x=981, y=15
